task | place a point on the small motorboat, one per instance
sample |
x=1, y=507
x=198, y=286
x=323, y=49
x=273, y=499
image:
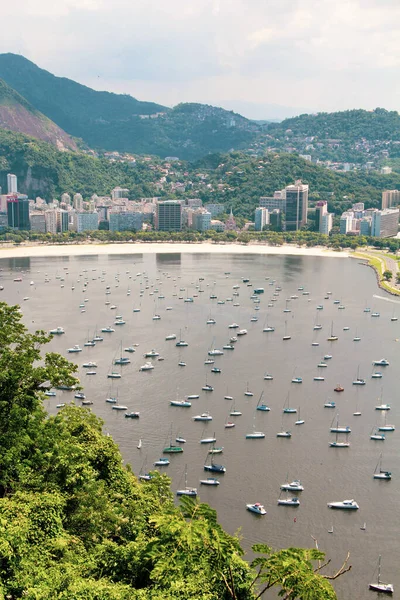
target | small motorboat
x=256, y=508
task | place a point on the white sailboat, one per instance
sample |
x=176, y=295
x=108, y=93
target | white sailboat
x=139, y=444
x=286, y=336
x=380, y=473
x=380, y=586
x=187, y=491
x=332, y=337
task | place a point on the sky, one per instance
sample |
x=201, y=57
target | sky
x=267, y=59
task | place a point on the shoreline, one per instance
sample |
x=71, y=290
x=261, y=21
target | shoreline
x=93, y=249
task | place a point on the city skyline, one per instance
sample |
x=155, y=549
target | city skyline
x=265, y=59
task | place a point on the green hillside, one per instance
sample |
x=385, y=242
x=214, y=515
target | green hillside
x=235, y=179
x=378, y=124
x=113, y=122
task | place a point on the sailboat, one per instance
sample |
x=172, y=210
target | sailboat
x=121, y=360
x=213, y=467
x=262, y=405
x=247, y=392
x=268, y=328
x=380, y=473
x=283, y=433
x=332, y=337
x=172, y=448
x=187, y=491
x=317, y=325
x=356, y=338
x=386, y=426
x=336, y=443
x=375, y=435
x=181, y=343
x=139, y=444
x=287, y=409
x=346, y=429
x=358, y=380
x=286, y=336
x=380, y=586
x=255, y=435
x=299, y=421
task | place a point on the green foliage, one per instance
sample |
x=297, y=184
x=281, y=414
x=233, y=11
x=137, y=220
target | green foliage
x=387, y=275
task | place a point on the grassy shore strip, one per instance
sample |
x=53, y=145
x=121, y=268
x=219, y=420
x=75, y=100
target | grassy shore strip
x=378, y=263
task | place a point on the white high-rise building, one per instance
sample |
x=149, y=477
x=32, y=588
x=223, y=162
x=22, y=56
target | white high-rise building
x=12, y=184
x=78, y=202
x=261, y=218
x=51, y=221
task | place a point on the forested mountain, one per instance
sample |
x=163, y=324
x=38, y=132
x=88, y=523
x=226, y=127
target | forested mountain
x=120, y=122
x=20, y=116
x=378, y=124
x=236, y=180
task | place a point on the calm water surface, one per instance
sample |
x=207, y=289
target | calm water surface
x=255, y=468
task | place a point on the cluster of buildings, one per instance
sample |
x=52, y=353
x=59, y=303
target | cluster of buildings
x=114, y=213
x=371, y=222
x=287, y=208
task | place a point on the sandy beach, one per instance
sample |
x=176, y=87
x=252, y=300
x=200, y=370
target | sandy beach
x=165, y=248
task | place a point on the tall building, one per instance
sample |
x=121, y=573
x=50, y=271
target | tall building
x=261, y=218
x=125, y=221
x=296, y=205
x=38, y=221
x=385, y=223
x=12, y=184
x=86, y=221
x=51, y=220
x=215, y=209
x=390, y=198
x=169, y=216
x=346, y=222
x=277, y=201
x=321, y=209
x=18, y=212
x=201, y=220
x=119, y=192
x=66, y=198
x=78, y=202
x=326, y=223
x=62, y=221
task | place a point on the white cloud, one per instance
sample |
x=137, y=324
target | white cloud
x=322, y=55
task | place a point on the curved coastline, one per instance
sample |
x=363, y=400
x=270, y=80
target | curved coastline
x=92, y=249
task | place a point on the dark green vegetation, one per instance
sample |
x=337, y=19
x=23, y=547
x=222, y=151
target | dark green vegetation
x=75, y=523
x=378, y=124
x=20, y=116
x=235, y=179
x=354, y=136
x=112, y=121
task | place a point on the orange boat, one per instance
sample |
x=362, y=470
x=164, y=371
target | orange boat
x=338, y=388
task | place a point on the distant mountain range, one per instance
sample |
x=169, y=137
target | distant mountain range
x=108, y=121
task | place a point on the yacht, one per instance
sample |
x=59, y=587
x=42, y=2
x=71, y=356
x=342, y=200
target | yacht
x=148, y=366
x=151, y=354
x=268, y=329
x=211, y=321
x=375, y=314
x=344, y=505
x=293, y=486
x=119, y=407
x=284, y=434
x=107, y=330
x=75, y=348
x=129, y=349
x=181, y=344
x=228, y=347
x=50, y=393
x=377, y=375
x=297, y=380
x=327, y=356
x=161, y=462
x=215, y=352
x=289, y=501
x=256, y=508
x=382, y=407
x=255, y=435
x=207, y=388
x=381, y=363
x=242, y=332
x=268, y=377
x=209, y=481
x=132, y=415
x=181, y=403
x=233, y=326
x=89, y=365
x=330, y=404
x=193, y=397
x=203, y=417
x=90, y=343
x=57, y=331
x=79, y=395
